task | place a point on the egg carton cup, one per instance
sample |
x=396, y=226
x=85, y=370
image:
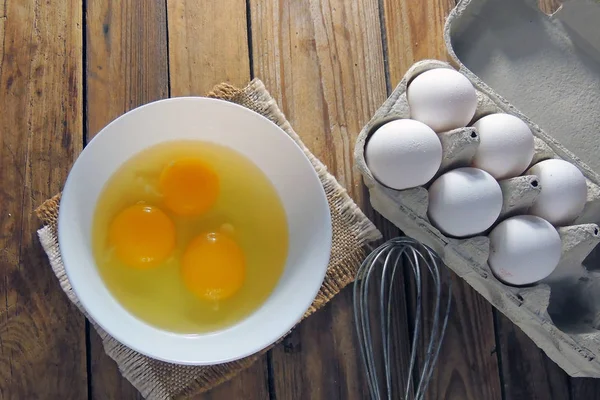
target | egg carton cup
x=561, y=314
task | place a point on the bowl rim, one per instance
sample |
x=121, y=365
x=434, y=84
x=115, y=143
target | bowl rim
x=88, y=306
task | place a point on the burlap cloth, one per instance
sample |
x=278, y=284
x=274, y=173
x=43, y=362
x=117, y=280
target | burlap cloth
x=352, y=231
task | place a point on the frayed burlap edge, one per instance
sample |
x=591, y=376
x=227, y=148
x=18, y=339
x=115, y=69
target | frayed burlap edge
x=352, y=232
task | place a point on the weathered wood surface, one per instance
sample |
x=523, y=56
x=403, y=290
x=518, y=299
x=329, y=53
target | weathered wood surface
x=126, y=66
x=323, y=62
x=69, y=67
x=527, y=372
x=208, y=44
x=42, y=336
x=468, y=363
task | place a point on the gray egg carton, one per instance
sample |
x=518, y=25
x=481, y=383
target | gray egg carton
x=561, y=314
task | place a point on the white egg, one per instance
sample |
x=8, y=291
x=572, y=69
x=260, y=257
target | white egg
x=442, y=98
x=563, y=194
x=524, y=249
x=505, y=145
x=464, y=202
x=403, y=153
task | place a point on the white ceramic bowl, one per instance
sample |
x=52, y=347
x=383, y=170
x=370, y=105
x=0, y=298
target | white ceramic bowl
x=273, y=151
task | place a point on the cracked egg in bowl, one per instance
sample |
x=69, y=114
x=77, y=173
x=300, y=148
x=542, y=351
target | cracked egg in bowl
x=194, y=231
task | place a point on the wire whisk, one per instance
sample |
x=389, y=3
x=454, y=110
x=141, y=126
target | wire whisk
x=379, y=271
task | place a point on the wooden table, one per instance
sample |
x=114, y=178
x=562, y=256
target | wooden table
x=68, y=67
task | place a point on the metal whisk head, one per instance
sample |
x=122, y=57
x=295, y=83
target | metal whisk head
x=378, y=272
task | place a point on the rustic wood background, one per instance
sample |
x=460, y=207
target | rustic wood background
x=68, y=67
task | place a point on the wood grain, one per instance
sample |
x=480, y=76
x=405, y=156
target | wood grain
x=527, y=372
x=126, y=58
x=126, y=62
x=106, y=382
x=319, y=359
x=467, y=366
x=42, y=336
x=585, y=389
x=250, y=384
x=414, y=31
x=323, y=62
x=208, y=45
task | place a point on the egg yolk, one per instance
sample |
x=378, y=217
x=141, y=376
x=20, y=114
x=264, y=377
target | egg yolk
x=189, y=186
x=213, y=266
x=142, y=236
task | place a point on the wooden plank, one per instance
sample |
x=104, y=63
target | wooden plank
x=585, y=389
x=250, y=384
x=527, y=372
x=106, y=381
x=323, y=62
x=42, y=336
x=208, y=45
x=414, y=31
x=319, y=359
x=467, y=366
x=126, y=67
x=126, y=58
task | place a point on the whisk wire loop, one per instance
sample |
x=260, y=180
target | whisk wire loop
x=381, y=267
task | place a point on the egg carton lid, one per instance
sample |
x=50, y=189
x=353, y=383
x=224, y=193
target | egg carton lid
x=546, y=66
